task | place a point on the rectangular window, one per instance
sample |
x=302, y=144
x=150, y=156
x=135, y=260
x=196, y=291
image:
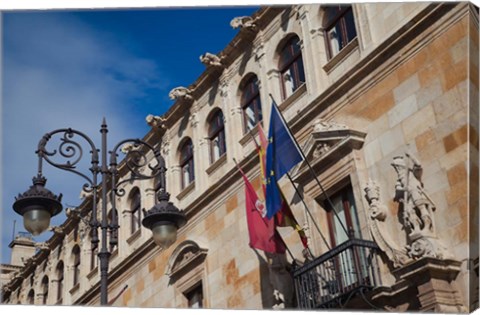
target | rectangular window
x=195, y=296
x=349, y=265
x=342, y=217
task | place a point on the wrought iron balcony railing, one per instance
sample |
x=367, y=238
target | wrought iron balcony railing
x=332, y=279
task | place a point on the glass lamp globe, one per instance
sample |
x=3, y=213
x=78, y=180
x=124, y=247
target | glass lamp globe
x=37, y=205
x=164, y=235
x=36, y=221
x=164, y=219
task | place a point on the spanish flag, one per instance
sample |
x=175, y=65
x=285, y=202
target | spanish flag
x=284, y=217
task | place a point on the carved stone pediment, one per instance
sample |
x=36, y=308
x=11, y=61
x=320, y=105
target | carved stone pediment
x=185, y=257
x=328, y=143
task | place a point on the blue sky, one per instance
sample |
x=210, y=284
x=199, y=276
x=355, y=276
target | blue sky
x=72, y=68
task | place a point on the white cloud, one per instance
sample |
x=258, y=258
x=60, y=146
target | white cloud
x=57, y=73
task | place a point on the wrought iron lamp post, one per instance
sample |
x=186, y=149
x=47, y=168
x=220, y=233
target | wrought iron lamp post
x=38, y=204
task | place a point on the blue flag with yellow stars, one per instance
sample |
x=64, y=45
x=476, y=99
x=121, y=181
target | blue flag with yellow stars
x=282, y=154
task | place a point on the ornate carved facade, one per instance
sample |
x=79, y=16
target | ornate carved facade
x=383, y=101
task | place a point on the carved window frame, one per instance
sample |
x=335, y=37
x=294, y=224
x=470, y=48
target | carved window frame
x=291, y=64
x=250, y=100
x=339, y=16
x=334, y=153
x=186, y=269
x=76, y=261
x=135, y=212
x=186, y=163
x=216, y=135
x=60, y=274
x=45, y=284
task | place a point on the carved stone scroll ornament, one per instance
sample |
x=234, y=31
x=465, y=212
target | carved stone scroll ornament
x=379, y=227
x=244, y=23
x=211, y=60
x=416, y=209
x=180, y=93
x=42, y=246
x=154, y=122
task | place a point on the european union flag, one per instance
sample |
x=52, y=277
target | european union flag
x=282, y=154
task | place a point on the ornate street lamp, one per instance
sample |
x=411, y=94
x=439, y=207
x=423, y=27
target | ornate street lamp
x=38, y=204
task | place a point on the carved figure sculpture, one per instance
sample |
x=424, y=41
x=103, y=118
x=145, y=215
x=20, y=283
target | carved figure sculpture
x=211, y=60
x=244, y=23
x=418, y=206
x=380, y=229
x=154, y=122
x=418, y=209
x=180, y=92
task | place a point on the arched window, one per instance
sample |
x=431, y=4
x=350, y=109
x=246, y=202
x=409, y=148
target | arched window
x=251, y=105
x=76, y=264
x=291, y=67
x=186, y=163
x=113, y=221
x=135, y=203
x=339, y=25
x=31, y=297
x=93, y=257
x=60, y=273
x=45, y=289
x=216, y=135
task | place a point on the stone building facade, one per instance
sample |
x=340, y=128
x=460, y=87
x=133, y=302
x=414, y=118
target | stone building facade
x=383, y=100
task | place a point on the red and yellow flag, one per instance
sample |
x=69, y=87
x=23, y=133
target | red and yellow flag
x=285, y=216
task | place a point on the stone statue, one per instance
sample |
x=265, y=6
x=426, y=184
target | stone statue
x=154, y=122
x=180, y=92
x=380, y=229
x=418, y=207
x=211, y=60
x=244, y=23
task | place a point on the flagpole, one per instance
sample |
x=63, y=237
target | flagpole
x=277, y=234
x=298, y=193
x=312, y=171
x=308, y=211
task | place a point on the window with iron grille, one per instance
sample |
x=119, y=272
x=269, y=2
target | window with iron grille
x=339, y=25
x=291, y=69
x=350, y=265
x=251, y=104
x=186, y=163
x=216, y=135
